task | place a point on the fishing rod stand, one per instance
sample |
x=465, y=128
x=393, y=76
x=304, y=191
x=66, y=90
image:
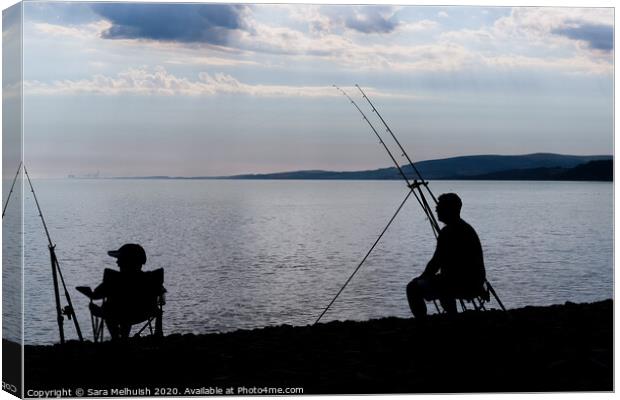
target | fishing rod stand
x=416, y=184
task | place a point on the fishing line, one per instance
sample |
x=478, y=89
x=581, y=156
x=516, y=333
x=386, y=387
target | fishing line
x=365, y=257
x=11, y=191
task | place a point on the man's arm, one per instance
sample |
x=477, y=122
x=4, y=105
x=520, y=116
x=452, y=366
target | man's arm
x=434, y=264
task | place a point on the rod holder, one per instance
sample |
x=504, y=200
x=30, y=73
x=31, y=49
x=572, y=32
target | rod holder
x=416, y=184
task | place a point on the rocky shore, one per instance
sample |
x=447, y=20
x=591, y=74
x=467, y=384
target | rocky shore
x=534, y=349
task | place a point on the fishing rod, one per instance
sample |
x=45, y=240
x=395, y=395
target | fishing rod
x=387, y=128
x=422, y=183
x=11, y=191
x=412, y=186
x=56, y=272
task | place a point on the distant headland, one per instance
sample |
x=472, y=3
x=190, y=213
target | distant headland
x=535, y=167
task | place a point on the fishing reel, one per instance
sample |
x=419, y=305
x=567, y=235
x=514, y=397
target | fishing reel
x=68, y=311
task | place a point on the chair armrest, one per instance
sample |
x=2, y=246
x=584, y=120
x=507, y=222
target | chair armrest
x=85, y=290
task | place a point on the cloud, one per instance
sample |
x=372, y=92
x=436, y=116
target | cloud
x=157, y=81
x=372, y=19
x=599, y=37
x=571, y=65
x=538, y=24
x=451, y=52
x=211, y=60
x=88, y=30
x=418, y=26
x=367, y=19
x=548, y=37
x=568, y=40
x=185, y=23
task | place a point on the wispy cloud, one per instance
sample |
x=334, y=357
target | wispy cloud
x=366, y=19
x=211, y=60
x=569, y=40
x=581, y=38
x=545, y=26
x=578, y=64
x=90, y=30
x=158, y=81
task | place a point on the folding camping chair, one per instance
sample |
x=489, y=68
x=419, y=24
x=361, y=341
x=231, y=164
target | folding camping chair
x=477, y=299
x=138, y=300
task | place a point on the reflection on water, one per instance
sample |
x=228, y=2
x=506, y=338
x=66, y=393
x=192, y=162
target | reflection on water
x=245, y=254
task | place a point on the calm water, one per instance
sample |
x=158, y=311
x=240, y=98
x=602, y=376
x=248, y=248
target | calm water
x=245, y=254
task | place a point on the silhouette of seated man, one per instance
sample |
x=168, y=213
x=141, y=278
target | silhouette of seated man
x=131, y=295
x=456, y=269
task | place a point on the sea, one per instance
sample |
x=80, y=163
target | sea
x=244, y=254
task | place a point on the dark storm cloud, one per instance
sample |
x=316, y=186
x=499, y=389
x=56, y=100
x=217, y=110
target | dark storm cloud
x=600, y=37
x=186, y=23
x=372, y=19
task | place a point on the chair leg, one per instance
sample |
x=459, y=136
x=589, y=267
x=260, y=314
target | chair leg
x=98, y=332
x=93, y=325
x=492, y=291
x=148, y=323
x=159, y=331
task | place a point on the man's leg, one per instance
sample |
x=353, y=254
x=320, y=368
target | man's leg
x=448, y=304
x=445, y=291
x=415, y=296
x=124, y=330
x=113, y=327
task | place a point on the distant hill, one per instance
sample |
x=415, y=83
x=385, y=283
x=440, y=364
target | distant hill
x=538, y=166
x=466, y=167
x=600, y=170
x=484, y=164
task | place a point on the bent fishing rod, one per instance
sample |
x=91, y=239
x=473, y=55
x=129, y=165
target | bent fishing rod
x=56, y=272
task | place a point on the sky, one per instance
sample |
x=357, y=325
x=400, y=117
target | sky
x=218, y=89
